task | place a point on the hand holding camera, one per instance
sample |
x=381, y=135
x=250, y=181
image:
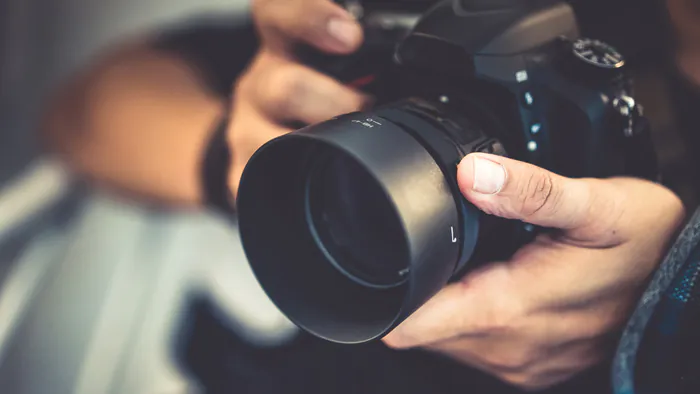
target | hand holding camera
x=556, y=307
x=354, y=226
x=277, y=90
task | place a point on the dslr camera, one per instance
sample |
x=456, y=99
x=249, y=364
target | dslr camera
x=352, y=224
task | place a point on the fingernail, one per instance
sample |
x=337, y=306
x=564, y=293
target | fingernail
x=489, y=176
x=345, y=31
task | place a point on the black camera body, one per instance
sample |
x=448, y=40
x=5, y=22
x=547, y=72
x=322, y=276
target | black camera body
x=352, y=224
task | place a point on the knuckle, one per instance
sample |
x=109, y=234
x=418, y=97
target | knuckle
x=538, y=192
x=493, y=207
x=500, y=321
x=514, y=361
x=500, y=313
x=345, y=101
x=602, y=325
x=284, y=88
x=605, y=212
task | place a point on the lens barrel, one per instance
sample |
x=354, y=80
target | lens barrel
x=352, y=224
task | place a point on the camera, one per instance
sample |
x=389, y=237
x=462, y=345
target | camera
x=352, y=224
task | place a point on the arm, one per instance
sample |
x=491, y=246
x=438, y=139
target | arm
x=137, y=121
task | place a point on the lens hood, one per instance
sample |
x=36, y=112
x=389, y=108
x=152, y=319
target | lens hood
x=410, y=190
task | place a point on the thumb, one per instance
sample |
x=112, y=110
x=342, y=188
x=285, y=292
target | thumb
x=515, y=190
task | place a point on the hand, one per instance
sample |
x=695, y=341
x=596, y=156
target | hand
x=276, y=90
x=556, y=307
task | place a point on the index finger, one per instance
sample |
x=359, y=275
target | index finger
x=480, y=303
x=319, y=23
x=502, y=295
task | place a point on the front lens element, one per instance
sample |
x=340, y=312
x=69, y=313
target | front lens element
x=354, y=223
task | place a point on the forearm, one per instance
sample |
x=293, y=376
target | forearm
x=138, y=122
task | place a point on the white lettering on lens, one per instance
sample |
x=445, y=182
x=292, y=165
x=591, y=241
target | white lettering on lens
x=452, y=231
x=365, y=124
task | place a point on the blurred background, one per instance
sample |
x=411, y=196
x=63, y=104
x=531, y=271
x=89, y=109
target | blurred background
x=95, y=292
x=99, y=294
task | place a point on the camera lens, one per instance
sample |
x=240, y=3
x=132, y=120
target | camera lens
x=351, y=220
x=352, y=224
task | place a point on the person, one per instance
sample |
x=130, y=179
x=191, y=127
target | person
x=140, y=120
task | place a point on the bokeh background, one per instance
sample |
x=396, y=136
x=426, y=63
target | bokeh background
x=95, y=291
x=42, y=41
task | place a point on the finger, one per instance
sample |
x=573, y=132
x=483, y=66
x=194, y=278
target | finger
x=484, y=303
x=554, y=366
x=554, y=370
x=319, y=23
x=295, y=93
x=522, y=362
x=500, y=297
x=517, y=190
x=248, y=133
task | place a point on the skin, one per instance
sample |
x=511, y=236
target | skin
x=684, y=17
x=550, y=312
x=169, y=113
x=556, y=307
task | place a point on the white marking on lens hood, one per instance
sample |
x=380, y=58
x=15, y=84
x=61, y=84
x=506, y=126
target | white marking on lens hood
x=521, y=76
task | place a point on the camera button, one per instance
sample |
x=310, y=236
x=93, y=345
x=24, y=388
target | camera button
x=532, y=146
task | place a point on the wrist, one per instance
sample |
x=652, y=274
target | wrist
x=235, y=169
x=216, y=167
